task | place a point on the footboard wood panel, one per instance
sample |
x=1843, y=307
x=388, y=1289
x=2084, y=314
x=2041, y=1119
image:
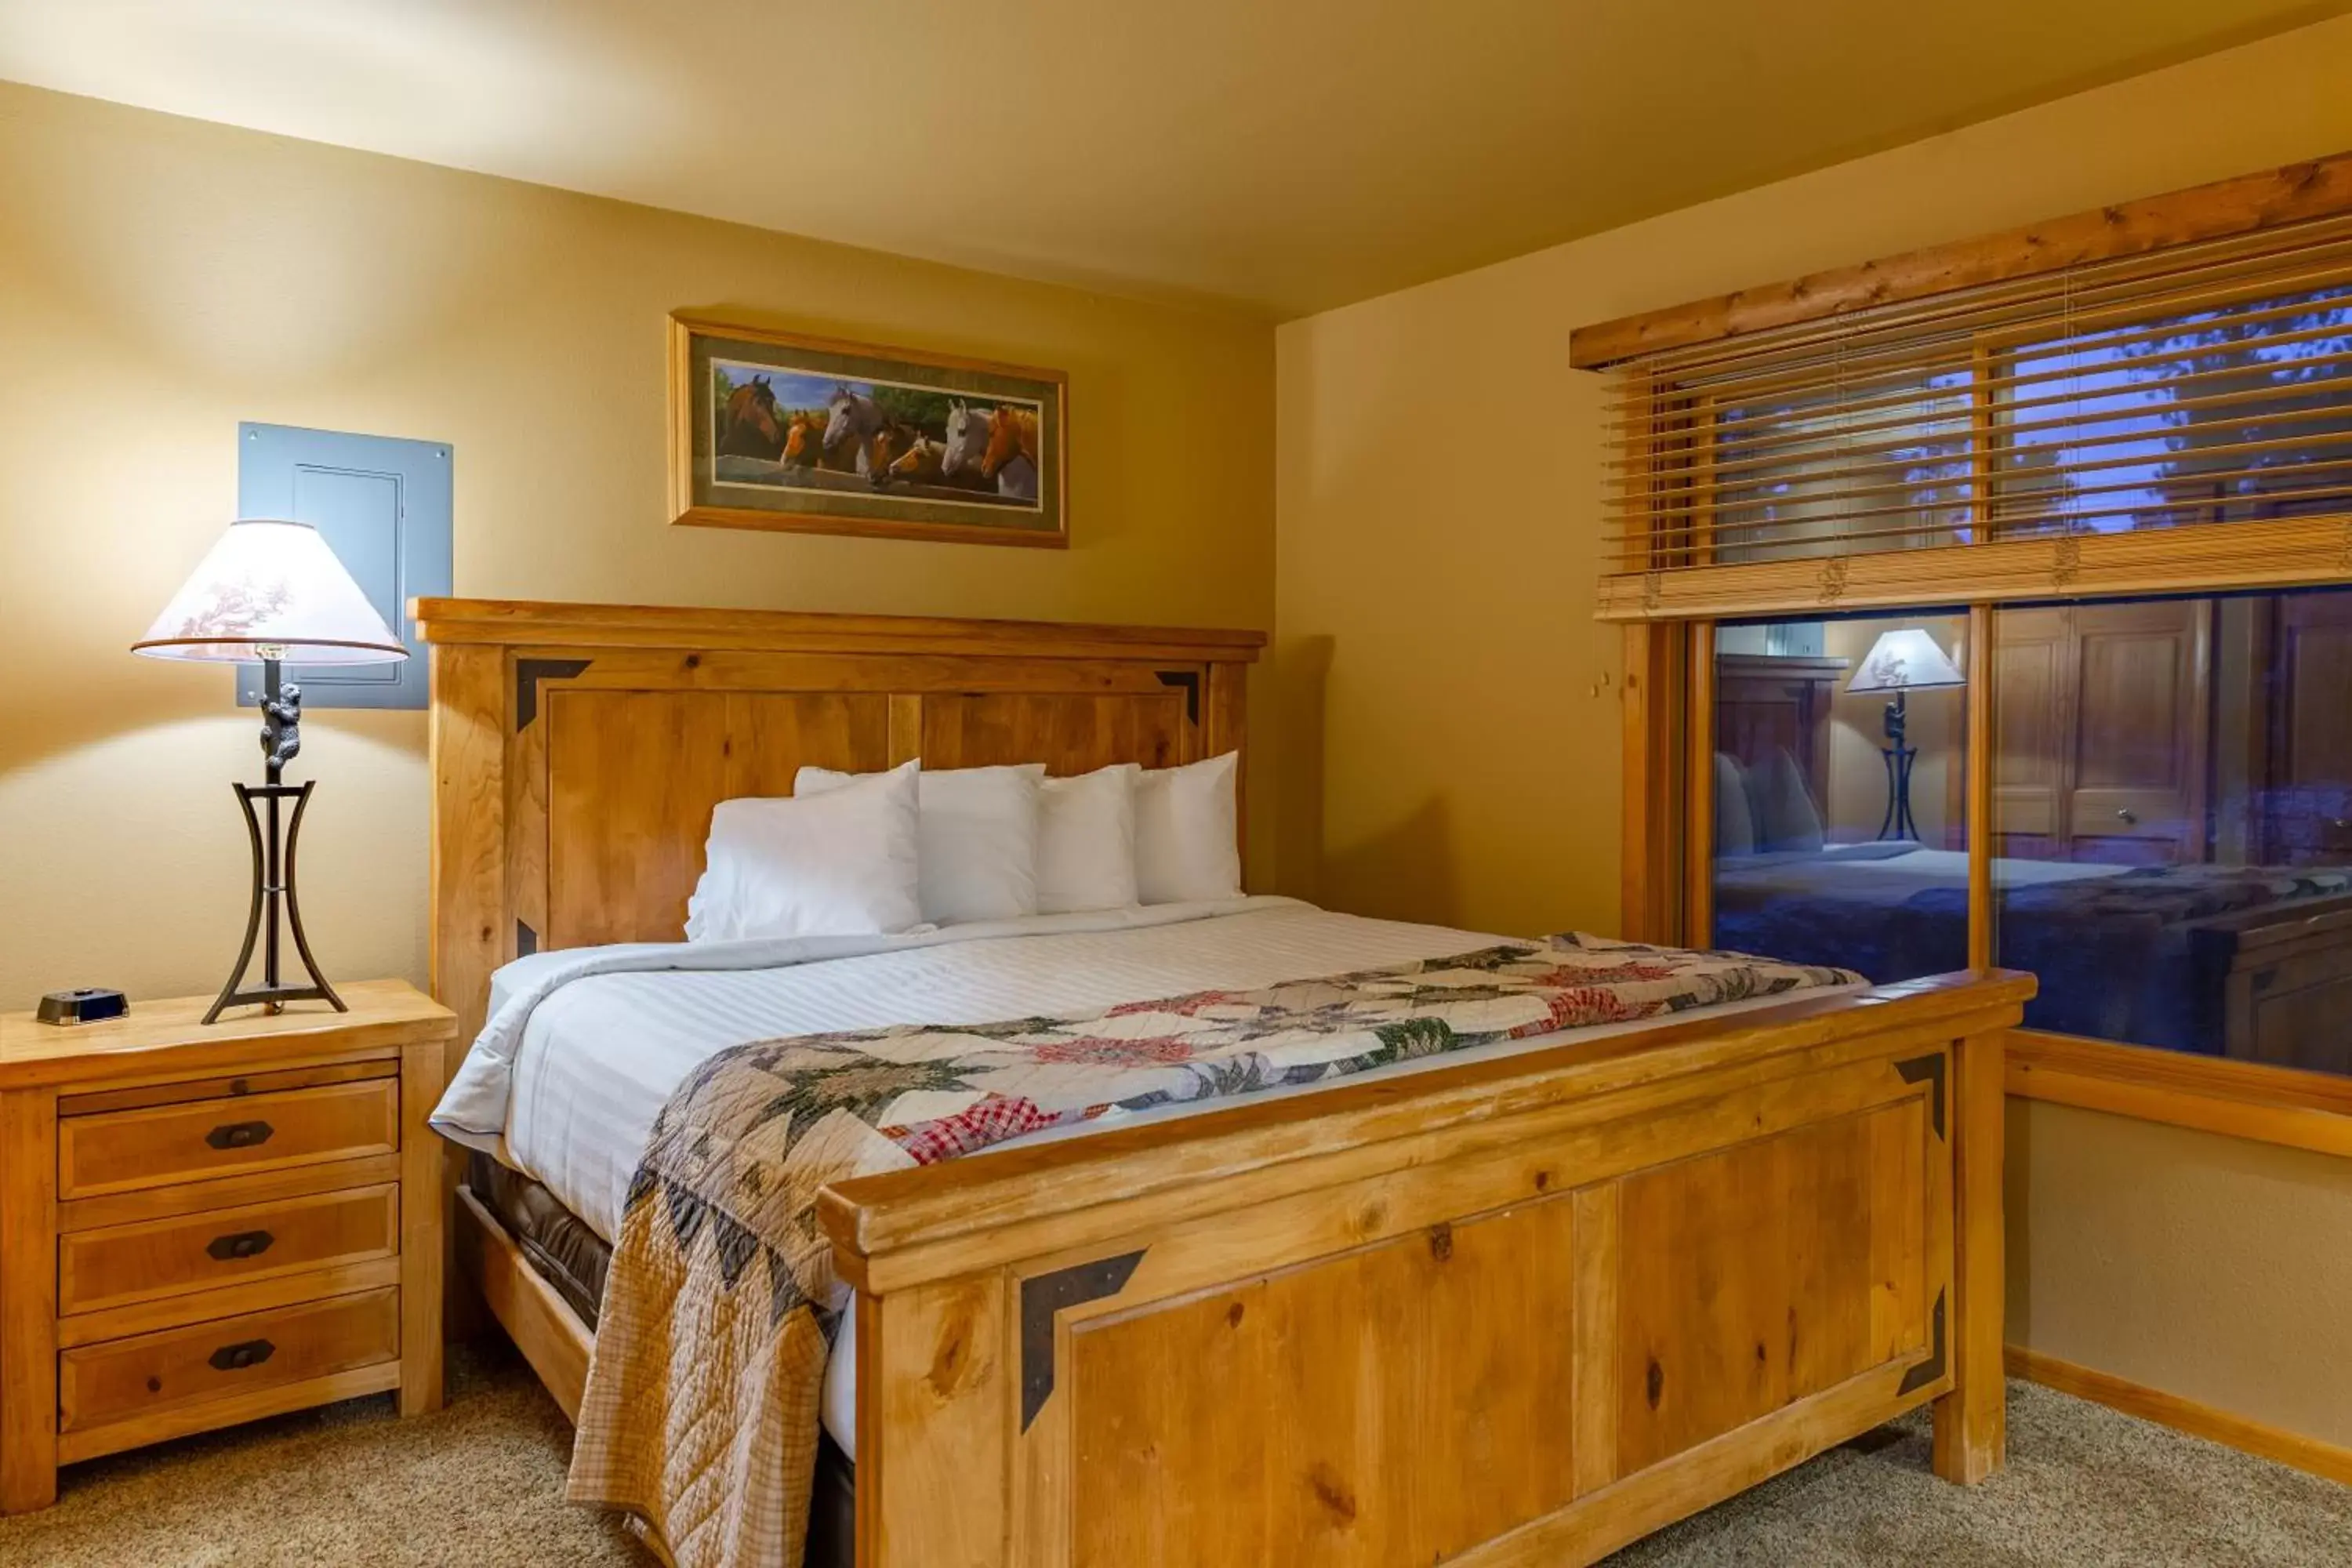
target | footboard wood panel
x=1514, y=1310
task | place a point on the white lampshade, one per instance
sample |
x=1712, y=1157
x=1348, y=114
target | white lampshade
x=271, y=589
x=1906, y=659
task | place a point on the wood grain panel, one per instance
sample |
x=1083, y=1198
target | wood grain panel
x=1754, y=1281
x=933, y=1397
x=634, y=777
x=427, y=1164
x=225, y=1247
x=542, y=1325
x=1167, y=1468
x=230, y=1410
x=1070, y=733
x=28, y=1299
x=1971, y=1426
x=771, y=735
x=226, y=1192
x=224, y=1088
x=468, y=869
x=1357, y=1454
x=124, y=1150
x=125, y=1380
x=225, y=1302
x=1464, y=1369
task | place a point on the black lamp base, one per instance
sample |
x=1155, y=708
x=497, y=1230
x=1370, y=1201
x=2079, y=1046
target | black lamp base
x=1898, y=823
x=273, y=837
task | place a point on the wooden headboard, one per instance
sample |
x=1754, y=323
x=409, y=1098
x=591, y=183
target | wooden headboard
x=578, y=750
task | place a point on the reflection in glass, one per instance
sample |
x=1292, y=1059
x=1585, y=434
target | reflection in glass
x=2172, y=792
x=1841, y=793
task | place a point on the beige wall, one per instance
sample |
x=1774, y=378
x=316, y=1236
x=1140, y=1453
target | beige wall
x=1451, y=721
x=2207, y=1267
x=160, y=279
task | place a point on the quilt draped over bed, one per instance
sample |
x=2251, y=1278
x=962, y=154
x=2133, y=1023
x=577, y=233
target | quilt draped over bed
x=701, y=1414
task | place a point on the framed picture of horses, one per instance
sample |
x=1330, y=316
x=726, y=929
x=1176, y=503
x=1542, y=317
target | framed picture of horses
x=779, y=431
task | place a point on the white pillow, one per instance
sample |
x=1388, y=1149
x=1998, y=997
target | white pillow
x=842, y=864
x=1086, y=841
x=1185, y=831
x=977, y=834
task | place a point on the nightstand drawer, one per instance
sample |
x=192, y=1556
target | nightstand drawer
x=230, y=1358
x=124, y=1150
x=124, y=1263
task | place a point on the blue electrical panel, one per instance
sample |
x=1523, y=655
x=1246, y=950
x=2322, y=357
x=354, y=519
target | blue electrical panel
x=383, y=507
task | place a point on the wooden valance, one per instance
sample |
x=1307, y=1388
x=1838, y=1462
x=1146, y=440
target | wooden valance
x=2248, y=204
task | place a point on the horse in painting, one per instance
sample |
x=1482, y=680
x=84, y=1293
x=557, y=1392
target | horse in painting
x=967, y=439
x=747, y=425
x=803, y=431
x=1012, y=433
x=853, y=421
x=1016, y=479
x=886, y=452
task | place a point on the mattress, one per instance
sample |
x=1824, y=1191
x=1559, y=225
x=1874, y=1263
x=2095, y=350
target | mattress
x=601, y=1054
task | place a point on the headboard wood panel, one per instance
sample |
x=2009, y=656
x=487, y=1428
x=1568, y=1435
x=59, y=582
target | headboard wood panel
x=579, y=749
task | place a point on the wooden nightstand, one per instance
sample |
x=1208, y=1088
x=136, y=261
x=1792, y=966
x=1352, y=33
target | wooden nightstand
x=200, y=1226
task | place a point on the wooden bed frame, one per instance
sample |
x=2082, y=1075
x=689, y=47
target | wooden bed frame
x=1506, y=1311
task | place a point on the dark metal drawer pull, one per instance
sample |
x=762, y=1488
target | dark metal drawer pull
x=239, y=1135
x=237, y=1357
x=240, y=1243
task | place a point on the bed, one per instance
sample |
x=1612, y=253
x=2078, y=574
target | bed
x=1519, y=1306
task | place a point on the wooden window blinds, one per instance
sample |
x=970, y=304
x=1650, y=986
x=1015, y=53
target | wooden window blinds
x=2145, y=407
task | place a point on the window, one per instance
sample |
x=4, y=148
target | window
x=2170, y=844
x=2093, y=477
x=1840, y=800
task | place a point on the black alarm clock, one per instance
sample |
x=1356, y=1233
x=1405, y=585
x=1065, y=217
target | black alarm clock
x=90, y=1005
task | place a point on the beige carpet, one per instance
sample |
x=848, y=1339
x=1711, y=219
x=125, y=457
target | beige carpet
x=481, y=1485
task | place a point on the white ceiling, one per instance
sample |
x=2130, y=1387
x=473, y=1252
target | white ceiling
x=1280, y=156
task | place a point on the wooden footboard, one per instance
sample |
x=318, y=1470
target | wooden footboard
x=1506, y=1311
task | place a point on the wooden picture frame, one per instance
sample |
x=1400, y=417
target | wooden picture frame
x=788, y=432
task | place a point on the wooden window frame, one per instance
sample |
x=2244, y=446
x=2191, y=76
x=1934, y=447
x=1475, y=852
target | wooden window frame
x=1670, y=613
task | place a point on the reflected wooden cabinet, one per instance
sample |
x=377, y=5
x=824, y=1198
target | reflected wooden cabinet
x=2303, y=810
x=2102, y=720
x=1765, y=702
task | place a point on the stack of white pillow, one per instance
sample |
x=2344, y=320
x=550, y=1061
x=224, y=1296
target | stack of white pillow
x=860, y=854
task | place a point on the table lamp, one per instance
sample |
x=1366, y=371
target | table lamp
x=270, y=591
x=1902, y=661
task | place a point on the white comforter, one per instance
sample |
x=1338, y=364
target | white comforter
x=584, y=1047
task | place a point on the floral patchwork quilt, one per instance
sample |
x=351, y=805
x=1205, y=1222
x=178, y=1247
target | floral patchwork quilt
x=701, y=1412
